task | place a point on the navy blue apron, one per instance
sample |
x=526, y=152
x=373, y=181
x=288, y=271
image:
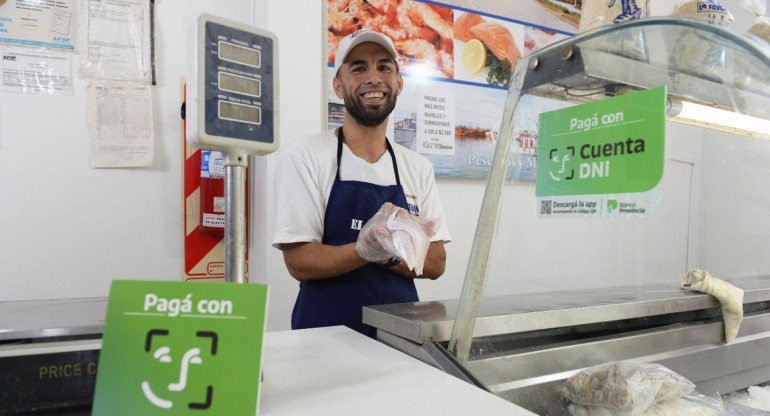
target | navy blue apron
x=338, y=300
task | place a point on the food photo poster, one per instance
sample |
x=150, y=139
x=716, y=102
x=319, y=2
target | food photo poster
x=456, y=60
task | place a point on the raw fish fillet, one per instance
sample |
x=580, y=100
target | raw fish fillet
x=464, y=24
x=498, y=39
x=410, y=239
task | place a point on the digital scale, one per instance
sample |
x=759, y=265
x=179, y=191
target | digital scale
x=232, y=108
x=49, y=349
x=232, y=100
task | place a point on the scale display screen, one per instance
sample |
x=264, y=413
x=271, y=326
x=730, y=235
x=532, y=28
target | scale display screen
x=235, y=87
x=240, y=112
x=239, y=84
x=240, y=54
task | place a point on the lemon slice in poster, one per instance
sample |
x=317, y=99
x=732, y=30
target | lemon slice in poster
x=474, y=56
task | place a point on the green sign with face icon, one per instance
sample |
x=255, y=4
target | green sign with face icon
x=180, y=348
x=604, y=158
x=609, y=146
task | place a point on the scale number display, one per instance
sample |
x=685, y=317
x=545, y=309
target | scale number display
x=239, y=84
x=235, y=83
x=240, y=112
x=240, y=54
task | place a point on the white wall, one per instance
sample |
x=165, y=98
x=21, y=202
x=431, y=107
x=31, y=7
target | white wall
x=736, y=205
x=68, y=230
x=299, y=27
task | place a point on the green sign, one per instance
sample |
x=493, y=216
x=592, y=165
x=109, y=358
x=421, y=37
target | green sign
x=180, y=348
x=602, y=159
x=610, y=146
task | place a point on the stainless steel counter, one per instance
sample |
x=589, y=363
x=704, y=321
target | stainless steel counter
x=424, y=321
x=525, y=345
x=37, y=319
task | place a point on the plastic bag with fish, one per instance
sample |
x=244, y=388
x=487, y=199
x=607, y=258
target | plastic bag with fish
x=411, y=237
x=393, y=231
x=630, y=43
x=626, y=386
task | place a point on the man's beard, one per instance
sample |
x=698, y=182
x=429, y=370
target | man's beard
x=368, y=117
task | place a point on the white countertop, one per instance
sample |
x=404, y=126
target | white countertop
x=337, y=371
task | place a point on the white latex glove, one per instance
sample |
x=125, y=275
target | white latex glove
x=728, y=295
x=375, y=241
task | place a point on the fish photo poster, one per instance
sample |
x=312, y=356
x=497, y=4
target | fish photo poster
x=456, y=60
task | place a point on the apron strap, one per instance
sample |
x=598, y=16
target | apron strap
x=341, y=138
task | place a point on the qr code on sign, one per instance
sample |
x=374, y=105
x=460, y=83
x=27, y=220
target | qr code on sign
x=545, y=207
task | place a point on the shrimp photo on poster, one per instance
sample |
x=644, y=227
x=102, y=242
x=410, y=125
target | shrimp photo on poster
x=421, y=32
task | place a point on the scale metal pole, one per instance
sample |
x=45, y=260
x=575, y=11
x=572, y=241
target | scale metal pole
x=235, y=216
x=234, y=111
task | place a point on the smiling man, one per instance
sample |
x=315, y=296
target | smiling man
x=330, y=184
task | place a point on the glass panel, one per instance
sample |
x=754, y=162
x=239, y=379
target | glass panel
x=538, y=288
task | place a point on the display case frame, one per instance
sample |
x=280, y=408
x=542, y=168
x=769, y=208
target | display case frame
x=521, y=346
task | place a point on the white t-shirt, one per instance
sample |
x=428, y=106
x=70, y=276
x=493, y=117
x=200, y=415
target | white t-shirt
x=306, y=172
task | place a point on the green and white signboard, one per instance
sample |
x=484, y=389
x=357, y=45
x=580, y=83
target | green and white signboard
x=181, y=348
x=602, y=159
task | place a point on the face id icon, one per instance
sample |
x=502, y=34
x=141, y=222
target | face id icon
x=184, y=362
x=560, y=161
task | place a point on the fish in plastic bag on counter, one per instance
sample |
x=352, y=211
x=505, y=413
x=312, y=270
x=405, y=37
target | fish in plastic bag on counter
x=624, y=388
x=683, y=406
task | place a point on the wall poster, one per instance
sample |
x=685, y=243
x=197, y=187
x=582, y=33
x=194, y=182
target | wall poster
x=48, y=24
x=456, y=61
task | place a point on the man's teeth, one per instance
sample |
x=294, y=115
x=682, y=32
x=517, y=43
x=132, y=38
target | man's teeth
x=374, y=95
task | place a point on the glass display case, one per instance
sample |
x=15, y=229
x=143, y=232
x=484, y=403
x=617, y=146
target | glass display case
x=548, y=295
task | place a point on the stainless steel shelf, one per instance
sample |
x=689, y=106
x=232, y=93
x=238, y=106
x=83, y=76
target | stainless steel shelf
x=39, y=319
x=433, y=321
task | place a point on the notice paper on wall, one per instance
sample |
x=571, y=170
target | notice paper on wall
x=118, y=40
x=36, y=71
x=120, y=124
x=49, y=24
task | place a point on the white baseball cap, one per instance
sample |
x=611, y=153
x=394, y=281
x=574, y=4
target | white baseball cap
x=358, y=37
